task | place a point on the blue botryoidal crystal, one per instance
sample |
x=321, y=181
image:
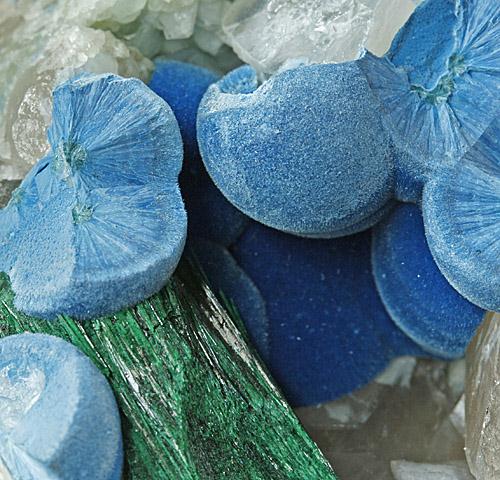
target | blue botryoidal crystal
x=99, y=223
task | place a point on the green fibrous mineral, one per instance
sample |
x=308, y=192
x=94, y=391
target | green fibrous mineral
x=195, y=401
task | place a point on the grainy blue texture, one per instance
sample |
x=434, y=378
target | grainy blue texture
x=416, y=295
x=461, y=207
x=99, y=224
x=439, y=84
x=328, y=330
x=58, y=416
x=210, y=215
x=305, y=152
x=227, y=278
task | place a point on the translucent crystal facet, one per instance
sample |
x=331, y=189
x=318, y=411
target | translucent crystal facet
x=482, y=401
x=403, y=415
x=403, y=470
x=267, y=33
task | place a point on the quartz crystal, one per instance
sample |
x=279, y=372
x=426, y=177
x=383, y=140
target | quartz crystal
x=403, y=415
x=482, y=401
x=267, y=33
x=403, y=470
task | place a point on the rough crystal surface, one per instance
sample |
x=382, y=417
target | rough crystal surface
x=267, y=33
x=403, y=415
x=482, y=401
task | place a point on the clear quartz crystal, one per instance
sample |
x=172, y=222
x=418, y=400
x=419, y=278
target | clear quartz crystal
x=403, y=470
x=482, y=400
x=267, y=33
x=403, y=415
x=20, y=388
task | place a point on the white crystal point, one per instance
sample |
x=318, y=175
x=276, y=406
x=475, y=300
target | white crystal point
x=176, y=18
x=403, y=470
x=266, y=33
x=482, y=401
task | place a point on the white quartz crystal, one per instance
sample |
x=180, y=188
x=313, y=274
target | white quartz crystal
x=388, y=17
x=267, y=33
x=482, y=401
x=403, y=470
x=457, y=417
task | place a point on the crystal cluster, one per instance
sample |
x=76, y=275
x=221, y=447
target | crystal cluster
x=399, y=426
x=266, y=33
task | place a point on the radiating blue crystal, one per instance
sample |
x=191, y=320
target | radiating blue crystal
x=99, y=223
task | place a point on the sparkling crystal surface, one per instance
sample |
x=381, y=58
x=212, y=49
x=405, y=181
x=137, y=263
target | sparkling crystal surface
x=482, y=401
x=267, y=33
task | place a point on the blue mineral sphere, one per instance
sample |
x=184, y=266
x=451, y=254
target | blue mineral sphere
x=305, y=152
x=99, y=223
x=415, y=293
x=329, y=332
x=58, y=416
x=461, y=207
x=438, y=85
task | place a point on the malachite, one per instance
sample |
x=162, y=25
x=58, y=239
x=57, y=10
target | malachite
x=196, y=402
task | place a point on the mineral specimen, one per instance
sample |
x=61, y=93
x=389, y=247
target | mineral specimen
x=58, y=416
x=196, y=402
x=482, y=395
x=439, y=82
x=328, y=330
x=416, y=295
x=406, y=418
x=319, y=169
x=266, y=33
x=403, y=470
x=38, y=50
x=461, y=207
x=99, y=223
x=211, y=216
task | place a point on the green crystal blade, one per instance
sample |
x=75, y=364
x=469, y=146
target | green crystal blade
x=195, y=401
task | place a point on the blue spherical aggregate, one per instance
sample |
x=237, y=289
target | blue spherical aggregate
x=58, y=415
x=304, y=153
x=438, y=84
x=328, y=330
x=99, y=224
x=182, y=86
x=210, y=215
x=415, y=293
x=227, y=278
x=461, y=207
